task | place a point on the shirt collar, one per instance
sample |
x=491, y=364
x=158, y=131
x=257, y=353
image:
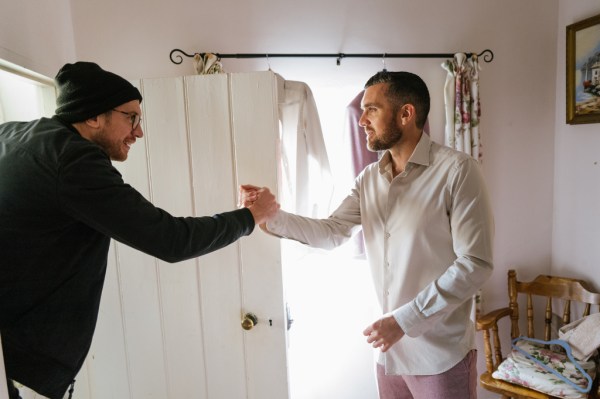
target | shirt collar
x=67, y=124
x=420, y=155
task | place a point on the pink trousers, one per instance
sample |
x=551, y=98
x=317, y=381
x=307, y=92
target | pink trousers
x=460, y=382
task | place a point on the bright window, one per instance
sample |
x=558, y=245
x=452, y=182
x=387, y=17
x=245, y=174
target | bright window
x=24, y=95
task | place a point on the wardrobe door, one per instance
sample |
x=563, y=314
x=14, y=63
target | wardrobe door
x=175, y=330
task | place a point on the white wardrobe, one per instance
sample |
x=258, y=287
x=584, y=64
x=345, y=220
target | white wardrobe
x=173, y=331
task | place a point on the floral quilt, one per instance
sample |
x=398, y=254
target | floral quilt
x=518, y=369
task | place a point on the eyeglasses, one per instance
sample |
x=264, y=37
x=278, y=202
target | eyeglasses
x=133, y=117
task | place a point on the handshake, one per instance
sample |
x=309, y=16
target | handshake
x=260, y=201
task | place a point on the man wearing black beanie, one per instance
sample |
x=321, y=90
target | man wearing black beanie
x=61, y=201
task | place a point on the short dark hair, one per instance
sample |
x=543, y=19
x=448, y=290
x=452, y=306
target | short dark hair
x=405, y=88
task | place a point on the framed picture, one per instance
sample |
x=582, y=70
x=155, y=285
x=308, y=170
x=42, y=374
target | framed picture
x=583, y=71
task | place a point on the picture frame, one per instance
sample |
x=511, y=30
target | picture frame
x=583, y=71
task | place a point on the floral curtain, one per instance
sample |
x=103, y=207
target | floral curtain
x=461, y=97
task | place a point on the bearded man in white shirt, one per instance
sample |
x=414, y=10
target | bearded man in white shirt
x=428, y=230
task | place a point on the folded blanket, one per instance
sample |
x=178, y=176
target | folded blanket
x=520, y=370
x=583, y=336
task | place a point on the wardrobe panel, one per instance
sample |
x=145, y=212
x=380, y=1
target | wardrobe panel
x=106, y=365
x=179, y=298
x=256, y=134
x=219, y=272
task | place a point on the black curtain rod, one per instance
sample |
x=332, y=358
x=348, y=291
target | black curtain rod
x=487, y=54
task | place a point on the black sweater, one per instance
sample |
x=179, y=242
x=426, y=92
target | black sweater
x=61, y=201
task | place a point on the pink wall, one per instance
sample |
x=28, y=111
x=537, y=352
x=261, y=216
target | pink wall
x=576, y=237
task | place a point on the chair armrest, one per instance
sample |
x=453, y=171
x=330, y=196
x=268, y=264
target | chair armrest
x=491, y=342
x=490, y=319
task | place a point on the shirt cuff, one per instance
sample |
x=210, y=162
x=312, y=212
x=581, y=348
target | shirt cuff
x=409, y=320
x=276, y=224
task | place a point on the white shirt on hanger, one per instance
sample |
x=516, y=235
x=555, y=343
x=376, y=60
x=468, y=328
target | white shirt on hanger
x=305, y=180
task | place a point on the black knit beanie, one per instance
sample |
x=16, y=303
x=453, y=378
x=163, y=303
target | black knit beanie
x=85, y=90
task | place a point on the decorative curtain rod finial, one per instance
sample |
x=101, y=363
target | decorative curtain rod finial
x=488, y=55
x=179, y=58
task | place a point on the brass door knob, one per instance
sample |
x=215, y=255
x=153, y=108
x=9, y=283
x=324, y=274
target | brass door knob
x=249, y=321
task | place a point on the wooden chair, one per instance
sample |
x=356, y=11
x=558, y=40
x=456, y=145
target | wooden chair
x=562, y=292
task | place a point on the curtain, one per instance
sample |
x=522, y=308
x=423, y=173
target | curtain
x=207, y=64
x=463, y=110
x=461, y=97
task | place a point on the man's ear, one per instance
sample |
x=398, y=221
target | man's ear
x=408, y=113
x=94, y=122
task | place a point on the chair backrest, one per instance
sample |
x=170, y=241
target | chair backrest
x=565, y=295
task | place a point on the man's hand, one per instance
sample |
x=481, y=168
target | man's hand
x=260, y=201
x=384, y=333
x=247, y=195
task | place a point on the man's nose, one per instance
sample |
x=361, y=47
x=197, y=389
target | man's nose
x=362, y=122
x=138, y=132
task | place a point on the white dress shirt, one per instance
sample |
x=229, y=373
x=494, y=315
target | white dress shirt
x=305, y=181
x=428, y=237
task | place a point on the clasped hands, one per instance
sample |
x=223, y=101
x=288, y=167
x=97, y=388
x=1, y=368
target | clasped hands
x=260, y=201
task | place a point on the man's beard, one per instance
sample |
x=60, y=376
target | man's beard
x=391, y=135
x=113, y=148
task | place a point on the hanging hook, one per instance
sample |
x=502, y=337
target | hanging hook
x=268, y=62
x=383, y=60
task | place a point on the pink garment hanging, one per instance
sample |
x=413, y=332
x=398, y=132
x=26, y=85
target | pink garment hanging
x=361, y=155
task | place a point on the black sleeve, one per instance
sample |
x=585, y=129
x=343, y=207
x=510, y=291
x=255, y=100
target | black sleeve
x=92, y=191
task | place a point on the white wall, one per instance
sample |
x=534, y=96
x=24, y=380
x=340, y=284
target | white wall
x=36, y=35
x=576, y=239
